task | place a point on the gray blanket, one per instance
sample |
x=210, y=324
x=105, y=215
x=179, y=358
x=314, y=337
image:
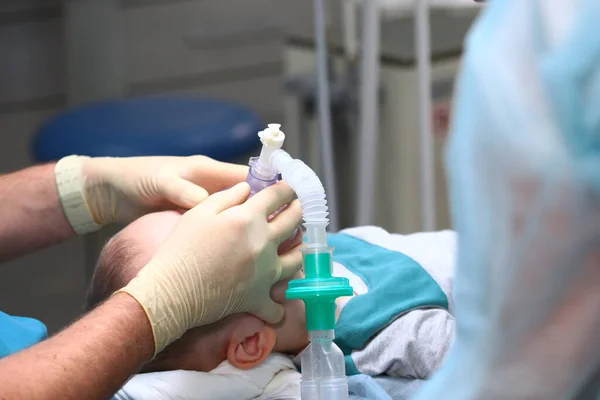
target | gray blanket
x=363, y=387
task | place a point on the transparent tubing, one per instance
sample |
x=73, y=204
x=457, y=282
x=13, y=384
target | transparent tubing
x=310, y=192
x=323, y=369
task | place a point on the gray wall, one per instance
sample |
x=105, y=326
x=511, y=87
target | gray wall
x=225, y=48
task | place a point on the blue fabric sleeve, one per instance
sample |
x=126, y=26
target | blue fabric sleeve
x=19, y=333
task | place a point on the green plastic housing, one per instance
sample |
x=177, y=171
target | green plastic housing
x=318, y=289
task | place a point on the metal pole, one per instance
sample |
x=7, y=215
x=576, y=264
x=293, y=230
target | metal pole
x=369, y=116
x=350, y=31
x=422, y=44
x=324, y=107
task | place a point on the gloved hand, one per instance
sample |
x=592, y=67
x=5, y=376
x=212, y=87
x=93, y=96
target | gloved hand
x=98, y=191
x=220, y=259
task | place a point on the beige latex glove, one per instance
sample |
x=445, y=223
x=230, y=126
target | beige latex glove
x=220, y=259
x=98, y=191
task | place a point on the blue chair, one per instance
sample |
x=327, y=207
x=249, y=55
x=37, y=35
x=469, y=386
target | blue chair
x=166, y=126
x=150, y=126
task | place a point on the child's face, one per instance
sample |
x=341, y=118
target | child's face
x=292, y=336
x=238, y=336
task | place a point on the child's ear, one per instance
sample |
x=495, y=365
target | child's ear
x=252, y=348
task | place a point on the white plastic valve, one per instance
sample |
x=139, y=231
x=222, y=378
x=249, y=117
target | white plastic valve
x=272, y=140
x=272, y=137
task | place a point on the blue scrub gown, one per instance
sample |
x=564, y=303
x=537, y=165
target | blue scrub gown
x=18, y=333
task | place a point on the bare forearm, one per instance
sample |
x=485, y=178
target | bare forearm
x=89, y=360
x=30, y=213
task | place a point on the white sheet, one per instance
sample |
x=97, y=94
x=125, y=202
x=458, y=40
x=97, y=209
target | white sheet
x=276, y=378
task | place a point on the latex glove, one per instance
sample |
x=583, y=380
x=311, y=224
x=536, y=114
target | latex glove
x=98, y=191
x=219, y=259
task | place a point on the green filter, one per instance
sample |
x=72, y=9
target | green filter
x=319, y=289
x=317, y=265
x=320, y=315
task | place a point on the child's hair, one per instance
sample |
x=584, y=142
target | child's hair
x=118, y=263
x=112, y=270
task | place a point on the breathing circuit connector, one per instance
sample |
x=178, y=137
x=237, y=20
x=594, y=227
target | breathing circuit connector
x=323, y=368
x=258, y=178
x=318, y=289
x=261, y=173
x=322, y=362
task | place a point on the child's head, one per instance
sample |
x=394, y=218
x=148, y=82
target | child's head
x=242, y=339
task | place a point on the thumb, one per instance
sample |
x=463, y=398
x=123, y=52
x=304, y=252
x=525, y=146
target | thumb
x=270, y=312
x=182, y=193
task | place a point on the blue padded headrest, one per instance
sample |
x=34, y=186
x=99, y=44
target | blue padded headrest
x=150, y=126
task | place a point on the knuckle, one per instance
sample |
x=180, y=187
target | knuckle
x=164, y=172
x=284, y=186
x=255, y=250
x=281, y=189
x=286, y=189
x=198, y=158
x=242, y=220
x=252, y=233
x=260, y=251
x=296, y=209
